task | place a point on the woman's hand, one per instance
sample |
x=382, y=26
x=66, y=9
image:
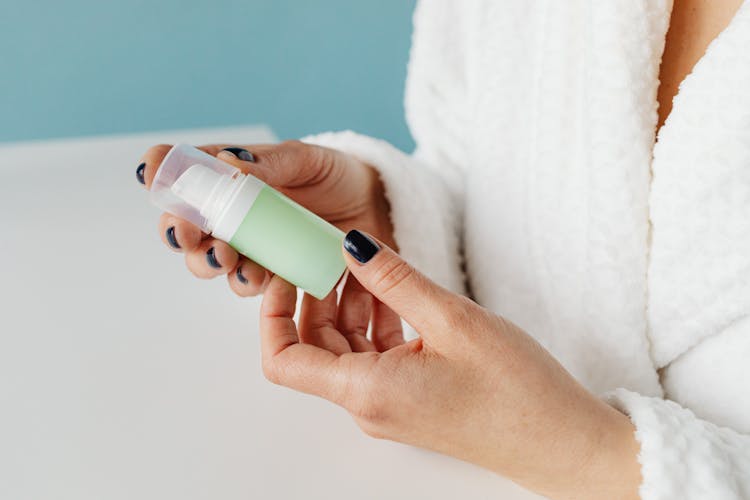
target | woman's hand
x=336, y=186
x=474, y=386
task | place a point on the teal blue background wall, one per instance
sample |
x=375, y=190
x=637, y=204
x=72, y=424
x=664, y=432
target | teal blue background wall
x=85, y=67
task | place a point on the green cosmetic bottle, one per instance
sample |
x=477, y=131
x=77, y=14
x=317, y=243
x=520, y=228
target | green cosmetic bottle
x=256, y=220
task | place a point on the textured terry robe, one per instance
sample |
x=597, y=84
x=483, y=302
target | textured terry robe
x=538, y=186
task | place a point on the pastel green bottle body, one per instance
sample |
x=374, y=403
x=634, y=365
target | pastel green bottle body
x=292, y=242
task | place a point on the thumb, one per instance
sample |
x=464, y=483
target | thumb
x=425, y=305
x=250, y=163
x=289, y=164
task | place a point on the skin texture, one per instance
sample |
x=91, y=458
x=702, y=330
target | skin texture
x=473, y=386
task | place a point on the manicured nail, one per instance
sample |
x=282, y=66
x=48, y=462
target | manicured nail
x=360, y=246
x=172, y=239
x=241, y=277
x=242, y=154
x=211, y=258
x=139, y=173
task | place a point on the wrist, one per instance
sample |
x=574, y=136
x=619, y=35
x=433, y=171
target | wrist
x=612, y=469
x=593, y=455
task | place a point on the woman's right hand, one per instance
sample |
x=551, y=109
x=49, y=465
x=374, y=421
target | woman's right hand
x=336, y=186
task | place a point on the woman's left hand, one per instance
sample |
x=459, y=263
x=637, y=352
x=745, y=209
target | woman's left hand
x=474, y=385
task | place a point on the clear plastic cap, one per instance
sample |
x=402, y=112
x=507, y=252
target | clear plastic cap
x=193, y=185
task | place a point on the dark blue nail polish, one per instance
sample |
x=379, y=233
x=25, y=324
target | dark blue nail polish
x=211, y=258
x=242, y=154
x=360, y=246
x=172, y=238
x=241, y=277
x=139, y=173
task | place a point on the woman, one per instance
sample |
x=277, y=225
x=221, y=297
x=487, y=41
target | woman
x=610, y=357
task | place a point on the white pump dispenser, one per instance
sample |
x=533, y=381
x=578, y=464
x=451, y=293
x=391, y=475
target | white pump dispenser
x=214, y=194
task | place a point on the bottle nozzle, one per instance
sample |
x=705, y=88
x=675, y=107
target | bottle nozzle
x=197, y=185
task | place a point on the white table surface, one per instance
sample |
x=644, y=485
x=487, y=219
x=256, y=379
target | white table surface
x=123, y=377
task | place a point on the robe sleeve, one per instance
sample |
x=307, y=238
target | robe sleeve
x=683, y=456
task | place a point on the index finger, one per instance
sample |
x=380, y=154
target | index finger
x=303, y=367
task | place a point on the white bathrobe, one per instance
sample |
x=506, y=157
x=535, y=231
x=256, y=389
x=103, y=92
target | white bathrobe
x=539, y=188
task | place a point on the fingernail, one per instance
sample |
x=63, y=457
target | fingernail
x=139, y=173
x=360, y=246
x=241, y=277
x=172, y=238
x=211, y=258
x=242, y=154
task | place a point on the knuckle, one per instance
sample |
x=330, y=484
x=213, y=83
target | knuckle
x=310, y=153
x=391, y=274
x=304, y=163
x=274, y=157
x=322, y=160
x=279, y=154
x=458, y=313
x=292, y=150
x=357, y=330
